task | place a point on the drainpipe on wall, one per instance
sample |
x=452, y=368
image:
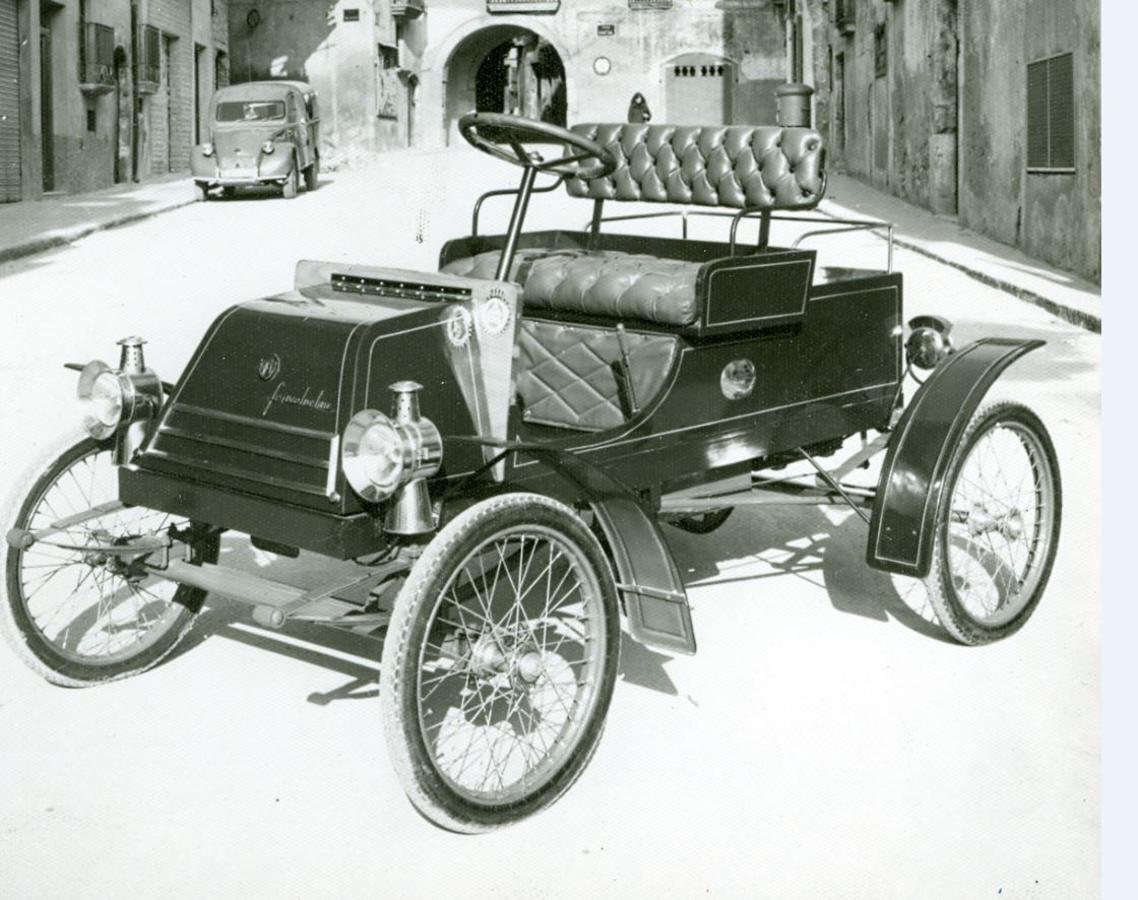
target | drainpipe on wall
x=135, y=96
x=943, y=139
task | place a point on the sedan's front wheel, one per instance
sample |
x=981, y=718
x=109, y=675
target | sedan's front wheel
x=499, y=663
x=292, y=184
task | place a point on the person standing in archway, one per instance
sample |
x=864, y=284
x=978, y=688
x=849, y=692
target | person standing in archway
x=638, y=111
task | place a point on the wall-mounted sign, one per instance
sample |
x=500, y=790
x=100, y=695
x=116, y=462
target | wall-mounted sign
x=606, y=30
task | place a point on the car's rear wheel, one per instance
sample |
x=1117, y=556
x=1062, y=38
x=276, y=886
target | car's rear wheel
x=312, y=174
x=499, y=663
x=73, y=612
x=292, y=183
x=997, y=528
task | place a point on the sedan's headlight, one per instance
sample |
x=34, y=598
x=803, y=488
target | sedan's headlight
x=207, y=149
x=268, y=147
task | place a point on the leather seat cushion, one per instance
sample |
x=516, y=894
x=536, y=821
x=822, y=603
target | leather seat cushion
x=605, y=283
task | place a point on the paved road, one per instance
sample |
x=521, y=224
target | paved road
x=825, y=742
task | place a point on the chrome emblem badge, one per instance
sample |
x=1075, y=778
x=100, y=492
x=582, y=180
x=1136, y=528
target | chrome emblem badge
x=269, y=367
x=494, y=314
x=458, y=327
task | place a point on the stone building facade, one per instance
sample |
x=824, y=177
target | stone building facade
x=398, y=73
x=96, y=92
x=987, y=110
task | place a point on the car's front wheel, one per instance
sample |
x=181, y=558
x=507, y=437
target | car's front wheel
x=202, y=190
x=499, y=663
x=73, y=610
x=292, y=183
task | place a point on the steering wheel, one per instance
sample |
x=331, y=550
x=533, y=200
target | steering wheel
x=493, y=132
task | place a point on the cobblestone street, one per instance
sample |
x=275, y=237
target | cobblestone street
x=826, y=741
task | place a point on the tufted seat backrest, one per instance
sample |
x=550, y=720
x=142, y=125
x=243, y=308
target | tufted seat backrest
x=763, y=167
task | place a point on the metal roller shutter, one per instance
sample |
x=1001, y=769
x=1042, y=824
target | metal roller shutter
x=9, y=103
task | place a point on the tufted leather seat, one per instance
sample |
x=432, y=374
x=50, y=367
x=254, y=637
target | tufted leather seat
x=608, y=283
x=738, y=166
x=753, y=167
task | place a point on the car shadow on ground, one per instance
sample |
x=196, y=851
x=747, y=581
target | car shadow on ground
x=755, y=549
x=759, y=547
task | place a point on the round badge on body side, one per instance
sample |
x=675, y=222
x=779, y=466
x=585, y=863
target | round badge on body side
x=738, y=379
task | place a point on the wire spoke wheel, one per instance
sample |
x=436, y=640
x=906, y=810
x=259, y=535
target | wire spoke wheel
x=75, y=610
x=998, y=525
x=501, y=661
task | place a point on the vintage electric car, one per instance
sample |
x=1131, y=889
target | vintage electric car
x=260, y=133
x=495, y=446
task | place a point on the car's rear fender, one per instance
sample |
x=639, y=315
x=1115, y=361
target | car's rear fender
x=920, y=452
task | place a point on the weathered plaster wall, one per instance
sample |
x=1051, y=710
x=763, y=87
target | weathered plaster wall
x=313, y=42
x=1055, y=217
x=750, y=33
x=947, y=129
x=84, y=159
x=992, y=129
x=1064, y=212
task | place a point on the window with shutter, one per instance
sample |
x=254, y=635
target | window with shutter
x=1051, y=114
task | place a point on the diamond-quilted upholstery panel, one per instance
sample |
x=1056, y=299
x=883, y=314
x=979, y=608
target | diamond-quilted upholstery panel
x=565, y=376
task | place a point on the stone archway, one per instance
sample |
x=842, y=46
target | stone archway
x=505, y=68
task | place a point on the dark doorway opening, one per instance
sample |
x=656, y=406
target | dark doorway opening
x=508, y=69
x=47, y=112
x=123, y=105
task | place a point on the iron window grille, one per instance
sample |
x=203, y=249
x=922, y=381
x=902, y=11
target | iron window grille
x=1051, y=114
x=147, y=61
x=96, y=58
x=844, y=14
x=649, y=4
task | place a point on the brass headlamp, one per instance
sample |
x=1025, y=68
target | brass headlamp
x=120, y=401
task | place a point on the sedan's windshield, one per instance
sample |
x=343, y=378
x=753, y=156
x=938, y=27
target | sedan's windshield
x=250, y=110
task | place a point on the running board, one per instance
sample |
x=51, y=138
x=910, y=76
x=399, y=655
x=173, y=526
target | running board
x=275, y=603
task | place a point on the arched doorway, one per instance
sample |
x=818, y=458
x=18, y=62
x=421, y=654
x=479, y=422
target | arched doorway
x=505, y=68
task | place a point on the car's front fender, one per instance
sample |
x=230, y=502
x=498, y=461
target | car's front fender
x=278, y=163
x=920, y=452
x=648, y=578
